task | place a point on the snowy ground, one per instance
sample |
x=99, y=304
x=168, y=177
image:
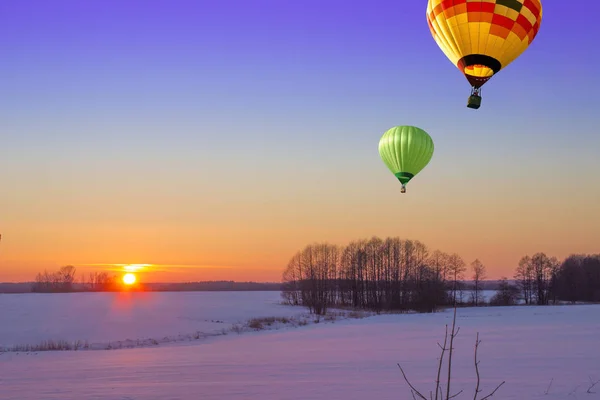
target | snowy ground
x=346, y=360
x=110, y=318
x=101, y=320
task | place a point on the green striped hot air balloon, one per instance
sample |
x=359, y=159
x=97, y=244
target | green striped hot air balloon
x=405, y=150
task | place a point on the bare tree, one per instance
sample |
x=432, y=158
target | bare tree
x=310, y=277
x=290, y=291
x=524, y=277
x=543, y=269
x=101, y=281
x=439, y=263
x=479, y=274
x=456, y=269
x=535, y=275
x=66, y=278
x=43, y=282
x=59, y=281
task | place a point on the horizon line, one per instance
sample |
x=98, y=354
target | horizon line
x=231, y=281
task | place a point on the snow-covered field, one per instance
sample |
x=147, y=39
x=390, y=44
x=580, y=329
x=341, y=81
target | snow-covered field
x=349, y=359
x=103, y=318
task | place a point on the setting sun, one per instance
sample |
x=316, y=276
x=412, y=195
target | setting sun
x=129, y=279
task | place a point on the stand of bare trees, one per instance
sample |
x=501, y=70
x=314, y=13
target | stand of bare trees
x=578, y=279
x=534, y=277
x=543, y=280
x=64, y=280
x=53, y=282
x=395, y=274
x=478, y=276
x=100, y=282
x=374, y=274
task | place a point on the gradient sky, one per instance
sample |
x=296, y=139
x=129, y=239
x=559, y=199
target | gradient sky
x=214, y=139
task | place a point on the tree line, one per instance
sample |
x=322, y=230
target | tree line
x=397, y=274
x=543, y=280
x=65, y=280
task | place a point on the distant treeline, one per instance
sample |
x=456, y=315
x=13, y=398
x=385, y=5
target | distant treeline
x=77, y=286
x=65, y=280
x=214, y=286
x=397, y=274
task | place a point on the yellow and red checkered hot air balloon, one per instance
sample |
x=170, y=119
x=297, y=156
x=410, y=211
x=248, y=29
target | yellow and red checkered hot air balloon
x=481, y=37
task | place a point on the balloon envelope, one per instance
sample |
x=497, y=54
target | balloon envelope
x=405, y=150
x=481, y=37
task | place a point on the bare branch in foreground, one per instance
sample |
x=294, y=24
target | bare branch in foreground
x=589, y=390
x=477, y=390
x=410, y=384
x=438, y=388
x=452, y=336
x=550, y=384
x=572, y=392
x=494, y=391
